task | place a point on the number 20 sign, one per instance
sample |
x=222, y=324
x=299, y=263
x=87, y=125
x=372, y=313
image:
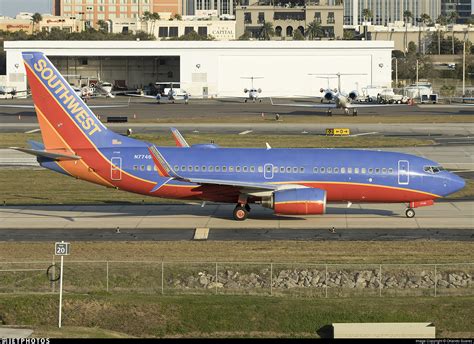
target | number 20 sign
x=62, y=248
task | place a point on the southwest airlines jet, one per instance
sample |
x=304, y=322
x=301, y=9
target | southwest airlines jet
x=289, y=181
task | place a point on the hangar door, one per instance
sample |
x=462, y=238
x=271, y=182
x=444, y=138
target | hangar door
x=287, y=75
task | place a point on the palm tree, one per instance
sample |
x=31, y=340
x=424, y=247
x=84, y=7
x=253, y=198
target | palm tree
x=150, y=17
x=407, y=15
x=267, y=31
x=102, y=25
x=367, y=14
x=425, y=19
x=452, y=19
x=35, y=19
x=442, y=20
x=314, y=30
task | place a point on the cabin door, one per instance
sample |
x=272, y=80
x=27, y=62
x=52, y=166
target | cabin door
x=116, y=168
x=268, y=171
x=403, y=172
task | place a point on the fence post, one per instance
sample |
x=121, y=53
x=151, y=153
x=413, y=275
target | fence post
x=435, y=279
x=107, y=276
x=216, y=279
x=326, y=281
x=271, y=279
x=380, y=280
x=162, y=277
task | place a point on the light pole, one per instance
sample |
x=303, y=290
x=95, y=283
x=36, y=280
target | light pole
x=464, y=63
x=417, y=81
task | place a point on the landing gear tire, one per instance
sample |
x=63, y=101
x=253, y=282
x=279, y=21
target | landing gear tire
x=260, y=100
x=245, y=100
x=410, y=213
x=354, y=113
x=240, y=213
x=329, y=113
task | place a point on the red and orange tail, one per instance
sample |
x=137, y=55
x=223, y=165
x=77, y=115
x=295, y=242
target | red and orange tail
x=66, y=122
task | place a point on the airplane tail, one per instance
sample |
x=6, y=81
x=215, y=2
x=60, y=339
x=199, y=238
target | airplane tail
x=66, y=122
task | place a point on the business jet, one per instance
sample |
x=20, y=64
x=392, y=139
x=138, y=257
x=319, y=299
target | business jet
x=289, y=181
x=252, y=92
x=170, y=94
x=336, y=99
x=11, y=93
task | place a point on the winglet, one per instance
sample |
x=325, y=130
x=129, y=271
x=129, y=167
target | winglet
x=268, y=145
x=164, y=169
x=178, y=138
x=271, y=100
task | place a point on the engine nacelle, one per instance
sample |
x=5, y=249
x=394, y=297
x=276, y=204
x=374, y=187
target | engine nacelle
x=353, y=95
x=245, y=90
x=305, y=201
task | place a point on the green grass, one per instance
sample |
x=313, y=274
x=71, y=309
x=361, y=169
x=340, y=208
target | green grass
x=229, y=316
x=251, y=140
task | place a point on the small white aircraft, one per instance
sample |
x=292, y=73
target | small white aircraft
x=11, y=92
x=252, y=92
x=336, y=99
x=171, y=94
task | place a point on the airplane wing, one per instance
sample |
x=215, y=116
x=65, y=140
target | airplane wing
x=140, y=95
x=312, y=106
x=259, y=189
x=361, y=105
x=90, y=106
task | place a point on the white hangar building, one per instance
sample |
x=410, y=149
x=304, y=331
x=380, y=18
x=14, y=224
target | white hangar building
x=213, y=68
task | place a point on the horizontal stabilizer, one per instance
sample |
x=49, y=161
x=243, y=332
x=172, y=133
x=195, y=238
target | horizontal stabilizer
x=46, y=154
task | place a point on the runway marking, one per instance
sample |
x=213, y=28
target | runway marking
x=245, y=132
x=32, y=131
x=363, y=134
x=457, y=142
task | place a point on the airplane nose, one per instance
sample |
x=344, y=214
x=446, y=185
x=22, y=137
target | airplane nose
x=457, y=183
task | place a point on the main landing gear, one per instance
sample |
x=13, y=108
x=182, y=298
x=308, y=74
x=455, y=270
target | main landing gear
x=410, y=213
x=354, y=112
x=241, y=212
x=329, y=112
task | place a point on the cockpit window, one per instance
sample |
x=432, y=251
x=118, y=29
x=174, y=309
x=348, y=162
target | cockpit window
x=433, y=169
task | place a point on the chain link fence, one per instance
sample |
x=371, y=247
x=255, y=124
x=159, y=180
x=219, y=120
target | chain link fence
x=276, y=279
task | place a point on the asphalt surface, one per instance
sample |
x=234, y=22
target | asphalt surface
x=229, y=109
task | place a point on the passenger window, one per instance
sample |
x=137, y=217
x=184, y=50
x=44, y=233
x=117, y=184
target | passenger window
x=288, y=170
x=148, y=167
x=155, y=168
x=245, y=169
x=142, y=167
x=224, y=168
x=211, y=168
x=315, y=170
x=336, y=170
x=275, y=169
x=282, y=169
x=356, y=170
x=349, y=170
x=343, y=170
x=260, y=169
x=252, y=168
x=329, y=169
x=371, y=170
x=231, y=168
x=377, y=170
x=135, y=167
x=190, y=168
x=322, y=169
x=203, y=168
x=390, y=170
x=301, y=169
x=295, y=169
x=384, y=170
x=183, y=168
x=218, y=168
x=176, y=168
x=363, y=170
x=196, y=168
x=237, y=169
x=268, y=168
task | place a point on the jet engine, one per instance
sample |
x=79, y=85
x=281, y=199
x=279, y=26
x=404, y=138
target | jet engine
x=259, y=90
x=353, y=95
x=328, y=94
x=245, y=90
x=305, y=201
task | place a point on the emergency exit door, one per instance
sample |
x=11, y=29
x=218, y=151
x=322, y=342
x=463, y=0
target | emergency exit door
x=116, y=168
